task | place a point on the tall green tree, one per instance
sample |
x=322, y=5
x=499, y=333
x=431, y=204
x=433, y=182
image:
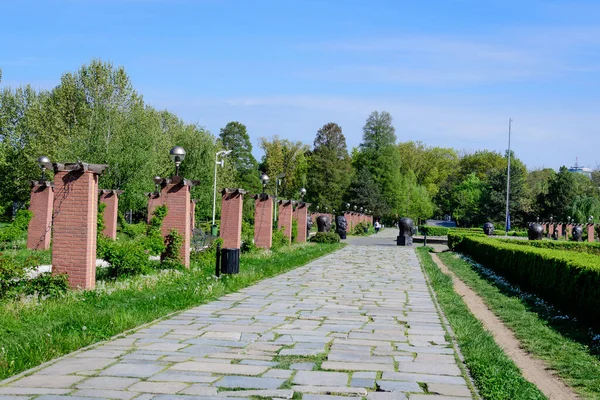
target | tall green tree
x=466, y=201
x=379, y=154
x=234, y=137
x=560, y=194
x=329, y=169
x=364, y=192
x=378, y=132
x=284, y=157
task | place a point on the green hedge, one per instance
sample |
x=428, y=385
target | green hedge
x=442, y=231
x=581, y=247
x=570, y=280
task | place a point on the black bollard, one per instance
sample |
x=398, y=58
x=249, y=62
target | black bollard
x=425, y=240
x=218, y=261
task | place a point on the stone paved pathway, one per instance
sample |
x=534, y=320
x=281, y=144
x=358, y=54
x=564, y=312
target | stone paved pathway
x=359, y=323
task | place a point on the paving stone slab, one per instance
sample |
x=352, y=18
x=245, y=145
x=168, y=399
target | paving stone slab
x=329, y=389
x=277, y=393
x=105, y=394
x=47, y=381
x=234, y=369
x=398, y=386
x=326, y=397
x=107, y=383
x=356, y=366
x=386, y=396
x=132, y=370
x=158, y=387
x=449, y=390
x=320, y=378
x=232, y=381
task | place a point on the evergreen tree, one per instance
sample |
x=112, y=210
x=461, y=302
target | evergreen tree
x=329, y=169
x=234, y=137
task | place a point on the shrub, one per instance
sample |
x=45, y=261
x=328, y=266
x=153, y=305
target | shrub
x=325, y=237
x=154, y=242
x=14, y=273
x=433, y=230
x=48, y=285
x=279, y=239
x=361, y=229
x=247, y=245
x=581, y=247
x=100, y=220
x=294, y=231
x=568, y=279
x=171, y=255
x=132, y=231
x=18, y=228
x=125, y=258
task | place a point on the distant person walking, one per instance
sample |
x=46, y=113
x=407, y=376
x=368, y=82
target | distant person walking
x=377, y=226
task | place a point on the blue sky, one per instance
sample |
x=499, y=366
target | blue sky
x=451, y=72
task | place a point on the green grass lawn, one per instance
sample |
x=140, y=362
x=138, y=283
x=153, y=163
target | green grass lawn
x=34, y=332
x=495, y=375
x=566, y=345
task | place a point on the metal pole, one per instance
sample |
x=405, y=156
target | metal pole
x=215, y=192
x=275, y=211
x=508, y=179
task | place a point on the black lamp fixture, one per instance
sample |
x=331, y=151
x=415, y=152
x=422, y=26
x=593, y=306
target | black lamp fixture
x=157, y=180
x=43, y=162
x=177, y=156
x=264, y=178
x=302, y=193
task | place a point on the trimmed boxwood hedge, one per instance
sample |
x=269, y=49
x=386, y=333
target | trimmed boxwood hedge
x=568, y=279
x=442, y=231
x=582, y=247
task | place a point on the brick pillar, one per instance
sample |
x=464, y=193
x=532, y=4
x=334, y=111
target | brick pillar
x=550, y=230
x=300, y=215
x=231, y=218
x=559, y=230
x=545, y=226
x=175, y=194
x=284, y=218
x=154, y=200
x=193, y=214
x=263, y=221
x=75, y=219
x=569, y=230
x=590, y=229
x=41, y=205
x=111, y=199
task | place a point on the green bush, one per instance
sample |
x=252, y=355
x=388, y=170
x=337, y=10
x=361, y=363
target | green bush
x=154, y=241
x=47, y=285
x=17, y=229
x=443, y=231
x=100, y=225
x=125, y=258
x=294, y=231
x=568, y=279
x=247, y=244
x=171, y=255
x=325, y=237
x=361, y=229
x=14, y=273
x=279, y=239
x=581, y=247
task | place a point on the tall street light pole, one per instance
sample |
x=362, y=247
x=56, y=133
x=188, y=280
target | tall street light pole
x=507, y=221
x=222, y=153
x=277, y=183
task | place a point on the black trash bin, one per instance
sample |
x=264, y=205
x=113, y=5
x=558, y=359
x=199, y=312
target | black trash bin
x=230, y=261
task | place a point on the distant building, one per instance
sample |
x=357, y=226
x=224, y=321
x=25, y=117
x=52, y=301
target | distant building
x=581, y=170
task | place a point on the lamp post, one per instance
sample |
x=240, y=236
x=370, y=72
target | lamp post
x=277, y=183
x=222, y=153
x=177, y=155
x=264, y=178
x=43, y=162
x=302, y=193
x=157, y=180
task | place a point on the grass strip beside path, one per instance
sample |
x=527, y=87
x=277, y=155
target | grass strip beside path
x=495, y=375
x=571, y=360
x=31, y=334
